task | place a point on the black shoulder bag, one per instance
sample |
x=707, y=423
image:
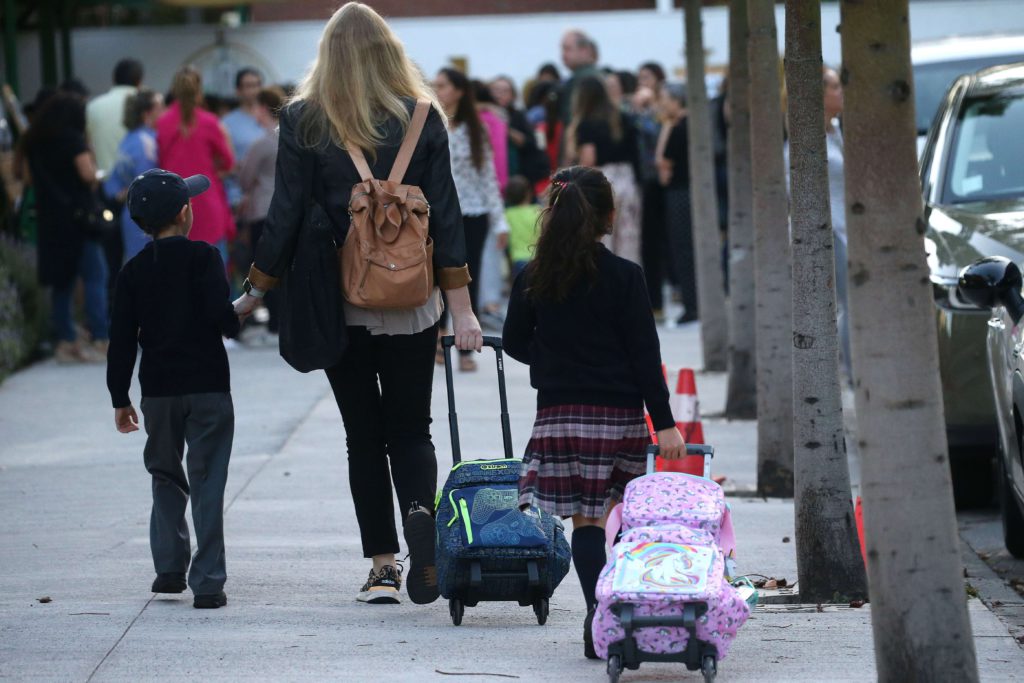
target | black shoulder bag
x=312, y=331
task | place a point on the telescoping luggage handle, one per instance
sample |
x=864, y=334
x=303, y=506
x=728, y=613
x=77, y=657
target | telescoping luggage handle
x=453, y=420
x=691, y=449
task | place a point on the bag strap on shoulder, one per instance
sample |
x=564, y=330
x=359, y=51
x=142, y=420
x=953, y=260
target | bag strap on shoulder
x=412, y=136
x=359, y=160
x=401, y=165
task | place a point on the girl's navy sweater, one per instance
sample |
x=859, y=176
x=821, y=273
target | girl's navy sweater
x=598, y=347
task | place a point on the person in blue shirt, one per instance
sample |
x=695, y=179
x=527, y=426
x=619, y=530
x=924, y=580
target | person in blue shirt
x=136, y=154
x=242, y=124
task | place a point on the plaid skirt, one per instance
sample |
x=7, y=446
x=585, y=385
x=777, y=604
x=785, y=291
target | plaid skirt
x=580, y=458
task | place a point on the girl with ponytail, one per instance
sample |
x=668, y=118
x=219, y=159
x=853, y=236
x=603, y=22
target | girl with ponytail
x=580, y=317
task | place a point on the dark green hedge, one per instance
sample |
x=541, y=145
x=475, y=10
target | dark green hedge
x=24, y=315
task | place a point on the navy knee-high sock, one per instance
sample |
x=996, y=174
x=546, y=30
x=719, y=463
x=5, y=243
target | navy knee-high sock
x=589, y=557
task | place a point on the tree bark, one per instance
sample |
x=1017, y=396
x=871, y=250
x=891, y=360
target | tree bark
x=773, y=293
x=828, y=556
x=707, y=245
x=919, y=611
x=741, y=395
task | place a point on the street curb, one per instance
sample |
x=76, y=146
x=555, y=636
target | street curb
x=998, y=598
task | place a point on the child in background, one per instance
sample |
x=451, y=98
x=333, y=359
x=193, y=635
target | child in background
x=172, y=299
x=522, y=216
x=580, y=317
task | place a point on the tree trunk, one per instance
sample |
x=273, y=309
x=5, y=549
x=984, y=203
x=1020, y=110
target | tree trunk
x=919, y=611
x=741, y=396
x=828, y=556
x=773, y=293
x=707, y=245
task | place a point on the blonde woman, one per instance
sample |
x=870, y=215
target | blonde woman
x=361, y=91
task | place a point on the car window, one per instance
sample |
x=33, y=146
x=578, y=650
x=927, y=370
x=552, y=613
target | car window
x=987, y=157
x=931, y=81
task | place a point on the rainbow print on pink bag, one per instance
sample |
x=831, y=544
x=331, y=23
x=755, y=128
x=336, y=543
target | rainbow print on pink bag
x=671, y=568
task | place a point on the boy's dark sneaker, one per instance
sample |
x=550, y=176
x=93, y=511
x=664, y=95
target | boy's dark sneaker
x=381, y=588
x=588, y=636
x=171, y=582
x=212, y=601
x=419, y=538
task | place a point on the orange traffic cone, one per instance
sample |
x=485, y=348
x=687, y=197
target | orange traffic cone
x=686, y=410
x=858, y=518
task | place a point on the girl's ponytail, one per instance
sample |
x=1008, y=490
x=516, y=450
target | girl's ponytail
x=578, y=213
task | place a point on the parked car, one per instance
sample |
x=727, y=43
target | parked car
x=937, y=63
x=995, y=283
x=972, y=176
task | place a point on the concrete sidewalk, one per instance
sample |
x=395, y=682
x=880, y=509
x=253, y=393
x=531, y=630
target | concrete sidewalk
x=74, y=504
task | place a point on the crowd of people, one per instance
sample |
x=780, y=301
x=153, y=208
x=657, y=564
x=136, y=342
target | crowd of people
x=80, y=155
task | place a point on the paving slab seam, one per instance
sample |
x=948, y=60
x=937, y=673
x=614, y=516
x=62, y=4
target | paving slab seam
x=114, y=646
x=298, y=427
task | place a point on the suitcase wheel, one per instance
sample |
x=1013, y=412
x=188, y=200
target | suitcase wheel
x=540, y=608
x=709, y=667
x=456, y=608
x=614, y=668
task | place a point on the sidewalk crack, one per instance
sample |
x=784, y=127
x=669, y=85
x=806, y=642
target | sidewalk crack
x=114, y=646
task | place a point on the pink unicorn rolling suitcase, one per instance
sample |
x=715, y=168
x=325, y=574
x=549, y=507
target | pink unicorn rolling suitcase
x=664, y=595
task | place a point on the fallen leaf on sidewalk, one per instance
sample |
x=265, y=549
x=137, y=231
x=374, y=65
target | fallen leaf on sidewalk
x=785, y=539
x=44, y=599
x=856, y=604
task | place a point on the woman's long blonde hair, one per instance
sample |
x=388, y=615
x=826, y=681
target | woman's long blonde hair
x=358, y=81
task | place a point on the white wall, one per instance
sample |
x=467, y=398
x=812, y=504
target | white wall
x=511, y=44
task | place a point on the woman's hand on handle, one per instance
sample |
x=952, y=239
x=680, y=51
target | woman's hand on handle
x=670, y=444
x=468, y=335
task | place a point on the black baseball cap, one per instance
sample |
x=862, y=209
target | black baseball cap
x=156, y=196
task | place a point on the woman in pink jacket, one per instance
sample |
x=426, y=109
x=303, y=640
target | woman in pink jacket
x=190, y=140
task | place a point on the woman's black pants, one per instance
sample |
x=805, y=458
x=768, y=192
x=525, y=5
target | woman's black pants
x=382, y=385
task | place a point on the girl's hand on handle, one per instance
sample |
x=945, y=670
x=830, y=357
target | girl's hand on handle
x=671, y=444
x=468, y=335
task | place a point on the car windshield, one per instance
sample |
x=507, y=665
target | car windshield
x=931, y=81
x=987, y=158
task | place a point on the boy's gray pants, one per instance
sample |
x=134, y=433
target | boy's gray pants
x=206, y=422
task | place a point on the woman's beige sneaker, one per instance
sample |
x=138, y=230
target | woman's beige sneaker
x=382, y=587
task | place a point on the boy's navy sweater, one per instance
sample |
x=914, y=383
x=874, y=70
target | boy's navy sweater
x=171, y=299
x=598, y=347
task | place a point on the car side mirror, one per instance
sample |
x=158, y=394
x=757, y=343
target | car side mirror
x=993, y=281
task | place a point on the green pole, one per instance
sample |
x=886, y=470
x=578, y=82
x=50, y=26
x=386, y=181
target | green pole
x=11, y=45
x=47, y=42
x=66, y=20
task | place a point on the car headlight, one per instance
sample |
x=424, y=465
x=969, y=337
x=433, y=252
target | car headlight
x=948, y=296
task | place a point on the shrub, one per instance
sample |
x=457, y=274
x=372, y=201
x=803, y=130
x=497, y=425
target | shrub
x=24, y=315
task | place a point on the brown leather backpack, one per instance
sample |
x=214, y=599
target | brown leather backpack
x=387, y=258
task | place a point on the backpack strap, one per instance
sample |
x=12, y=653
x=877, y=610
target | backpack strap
x=359, y=160
x=412, y=136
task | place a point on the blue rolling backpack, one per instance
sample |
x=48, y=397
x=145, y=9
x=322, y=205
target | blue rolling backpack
x=487, y=548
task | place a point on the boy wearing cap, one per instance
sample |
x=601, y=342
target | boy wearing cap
x=172, y=300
